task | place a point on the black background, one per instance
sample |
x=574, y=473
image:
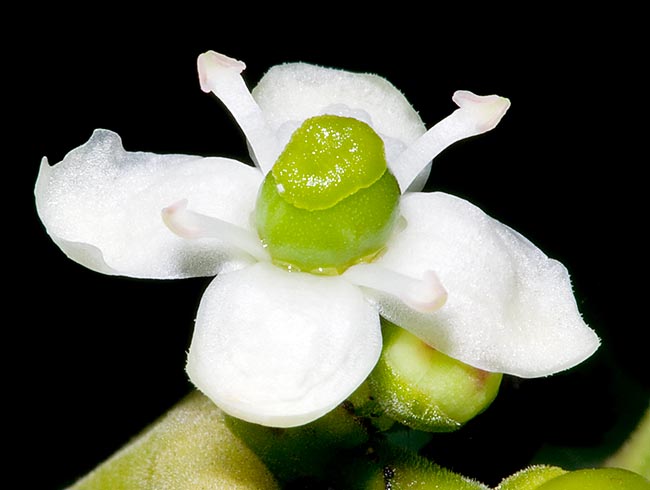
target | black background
x=92, y=359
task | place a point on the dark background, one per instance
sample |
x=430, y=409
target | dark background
x=93, y=359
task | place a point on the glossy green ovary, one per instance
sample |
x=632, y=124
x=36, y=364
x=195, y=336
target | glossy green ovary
x=324, y=208
x=328, y=159
x=328, y=240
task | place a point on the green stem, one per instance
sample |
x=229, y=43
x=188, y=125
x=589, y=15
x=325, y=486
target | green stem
x=387, y=466
x=190, y=447
x=311, y=451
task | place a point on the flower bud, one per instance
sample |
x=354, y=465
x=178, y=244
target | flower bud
x=531, y=478
x=598, y=479
x=425, y=389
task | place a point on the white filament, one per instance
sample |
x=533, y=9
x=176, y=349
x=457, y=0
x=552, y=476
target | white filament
x=424, y=295
x=476, y=114
x=191, y=225
x=222, y=76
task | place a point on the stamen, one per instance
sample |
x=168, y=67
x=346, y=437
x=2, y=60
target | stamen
x=424, y=295
x=222, y=76
x=476, y=114
x=191, y=225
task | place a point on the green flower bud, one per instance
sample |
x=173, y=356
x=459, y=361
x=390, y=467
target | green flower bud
x=598, y=479
x=330, y=201
x=425, y=389
x=365, y=405
x=531, y=478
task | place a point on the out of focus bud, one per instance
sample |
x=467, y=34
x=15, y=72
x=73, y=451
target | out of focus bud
x=598, y=479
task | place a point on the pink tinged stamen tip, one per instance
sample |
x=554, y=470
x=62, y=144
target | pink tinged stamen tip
x=212, y=64
x=178, y=220
x=221, y=75
x=191, y=225
x=486, y=110
x=476, y=114
x=425, y=295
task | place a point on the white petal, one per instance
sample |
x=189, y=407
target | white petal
x=282, y=348
x=509, y=309
x=476, y=114
x=288, y=94
x=102, y=206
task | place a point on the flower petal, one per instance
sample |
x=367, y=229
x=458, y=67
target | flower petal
x=102, y=206
x=288, y=94
x=282, y=348
x=510, y=308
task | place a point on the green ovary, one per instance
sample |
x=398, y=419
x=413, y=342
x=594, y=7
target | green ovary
x=327, y=228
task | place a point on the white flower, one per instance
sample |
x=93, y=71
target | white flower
x=282, y=348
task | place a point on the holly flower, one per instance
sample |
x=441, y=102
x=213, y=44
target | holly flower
x=325, y=234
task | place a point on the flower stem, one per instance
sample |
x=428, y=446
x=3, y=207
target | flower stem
x=311, y=451
x=189, y=447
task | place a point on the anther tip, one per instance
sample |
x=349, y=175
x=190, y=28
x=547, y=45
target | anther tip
x=486, y=109
x=211, y=63
x=178, y=220
x=175, y=207
x=430, y=296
